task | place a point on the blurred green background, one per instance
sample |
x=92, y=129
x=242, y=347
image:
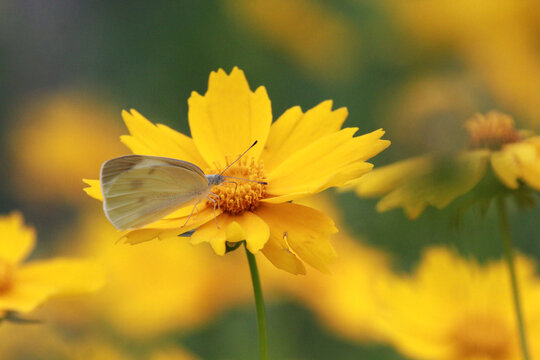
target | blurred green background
x=413, y=69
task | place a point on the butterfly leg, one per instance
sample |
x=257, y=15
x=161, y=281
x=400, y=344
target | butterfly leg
x=215, y=204
x=191, y=213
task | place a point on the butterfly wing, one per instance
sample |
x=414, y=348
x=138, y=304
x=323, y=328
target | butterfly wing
x=138, y=190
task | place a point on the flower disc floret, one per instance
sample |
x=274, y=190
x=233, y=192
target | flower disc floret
x=491, y=131
x=237, y=196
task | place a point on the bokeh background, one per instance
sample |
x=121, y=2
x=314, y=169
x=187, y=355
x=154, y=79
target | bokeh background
x=416, y=68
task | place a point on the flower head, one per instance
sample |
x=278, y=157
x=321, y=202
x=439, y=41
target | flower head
x=494, y=146
x=299, y=155
x=24, y=286
x=455, y=309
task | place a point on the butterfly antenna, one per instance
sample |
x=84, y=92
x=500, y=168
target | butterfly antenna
x=231, y=164
x=237, y=178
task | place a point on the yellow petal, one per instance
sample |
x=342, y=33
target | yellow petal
x=16, y=239
x=39, y=280
x=229, y=117
x=256, y=231
x=383, y=179
x=211, y=233
x=295, y=130
x=170, y=227
x=438, y=185
x=305, y=230
x=247, y=226
x=158, y=140
x=325, y=162
x=281, y=257
x=94, y=189
x=506, y=168
x=526, y=158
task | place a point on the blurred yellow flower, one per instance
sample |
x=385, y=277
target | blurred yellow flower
x=513, y=156
x=498, y=40
x=312, y=34
x=344, y=302
x=25, y=286
x=154, y=288
x=299, y=155
x=50, y=144
x=452, y=308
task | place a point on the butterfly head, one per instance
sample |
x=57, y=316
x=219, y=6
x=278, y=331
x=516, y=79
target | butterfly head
x=216, y=179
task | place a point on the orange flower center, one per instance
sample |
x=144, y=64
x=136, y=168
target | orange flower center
x=491, y=131
x=6, y=276
x=236, y=195
x=482, y=336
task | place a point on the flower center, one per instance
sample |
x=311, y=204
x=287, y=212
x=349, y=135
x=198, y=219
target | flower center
x=482, y=336
x=491, y=131
x=235, y=195
x=6, y=276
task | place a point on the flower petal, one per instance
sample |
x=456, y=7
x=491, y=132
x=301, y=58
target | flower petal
x=94, y=190
x=386, y=178
x=506, y=168
x=229, y=117
x=526, y=157
x=211, y=233
x=158, y=140
x=256, y=231
x=39, y=280
x=277, y=252
x=295, y=130
x=437, y=184
x=17, y=240
x=247, y=226
x=170, y=227
x=325, y=162
x=304, y=229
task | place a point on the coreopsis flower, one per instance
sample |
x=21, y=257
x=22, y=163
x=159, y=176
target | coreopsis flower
x=155, y=307
x=452, y=308
x=496, y=41
x=299, y=155
x=344, y=302
x=24, y=286
x=313, y=35
x=49, y=168
x=495, y=147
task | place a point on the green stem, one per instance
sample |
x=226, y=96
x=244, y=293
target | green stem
x=259, y=304
x=509, y=255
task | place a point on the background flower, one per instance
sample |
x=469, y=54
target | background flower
x=495, y=146
x=462, y=310
x=24, y=286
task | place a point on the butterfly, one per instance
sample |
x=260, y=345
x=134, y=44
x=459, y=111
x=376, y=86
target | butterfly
x=141, y=189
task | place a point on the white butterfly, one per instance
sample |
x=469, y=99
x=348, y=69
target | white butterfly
x=139, y=189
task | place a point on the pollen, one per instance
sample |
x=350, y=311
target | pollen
x=482, y=337
x=237, y=195
x=491, y=131
x=6, y=276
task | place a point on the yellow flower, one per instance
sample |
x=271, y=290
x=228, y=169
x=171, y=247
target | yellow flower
x=146, y=274
x=494, y=143
x=299, y=155
x=497, y=40
x=49, y=146
x=312, y=34
x=343, y=302
x=25, y=286
x=452, y=308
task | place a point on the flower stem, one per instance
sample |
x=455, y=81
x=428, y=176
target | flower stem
x=259, y=304
x=509, y=255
